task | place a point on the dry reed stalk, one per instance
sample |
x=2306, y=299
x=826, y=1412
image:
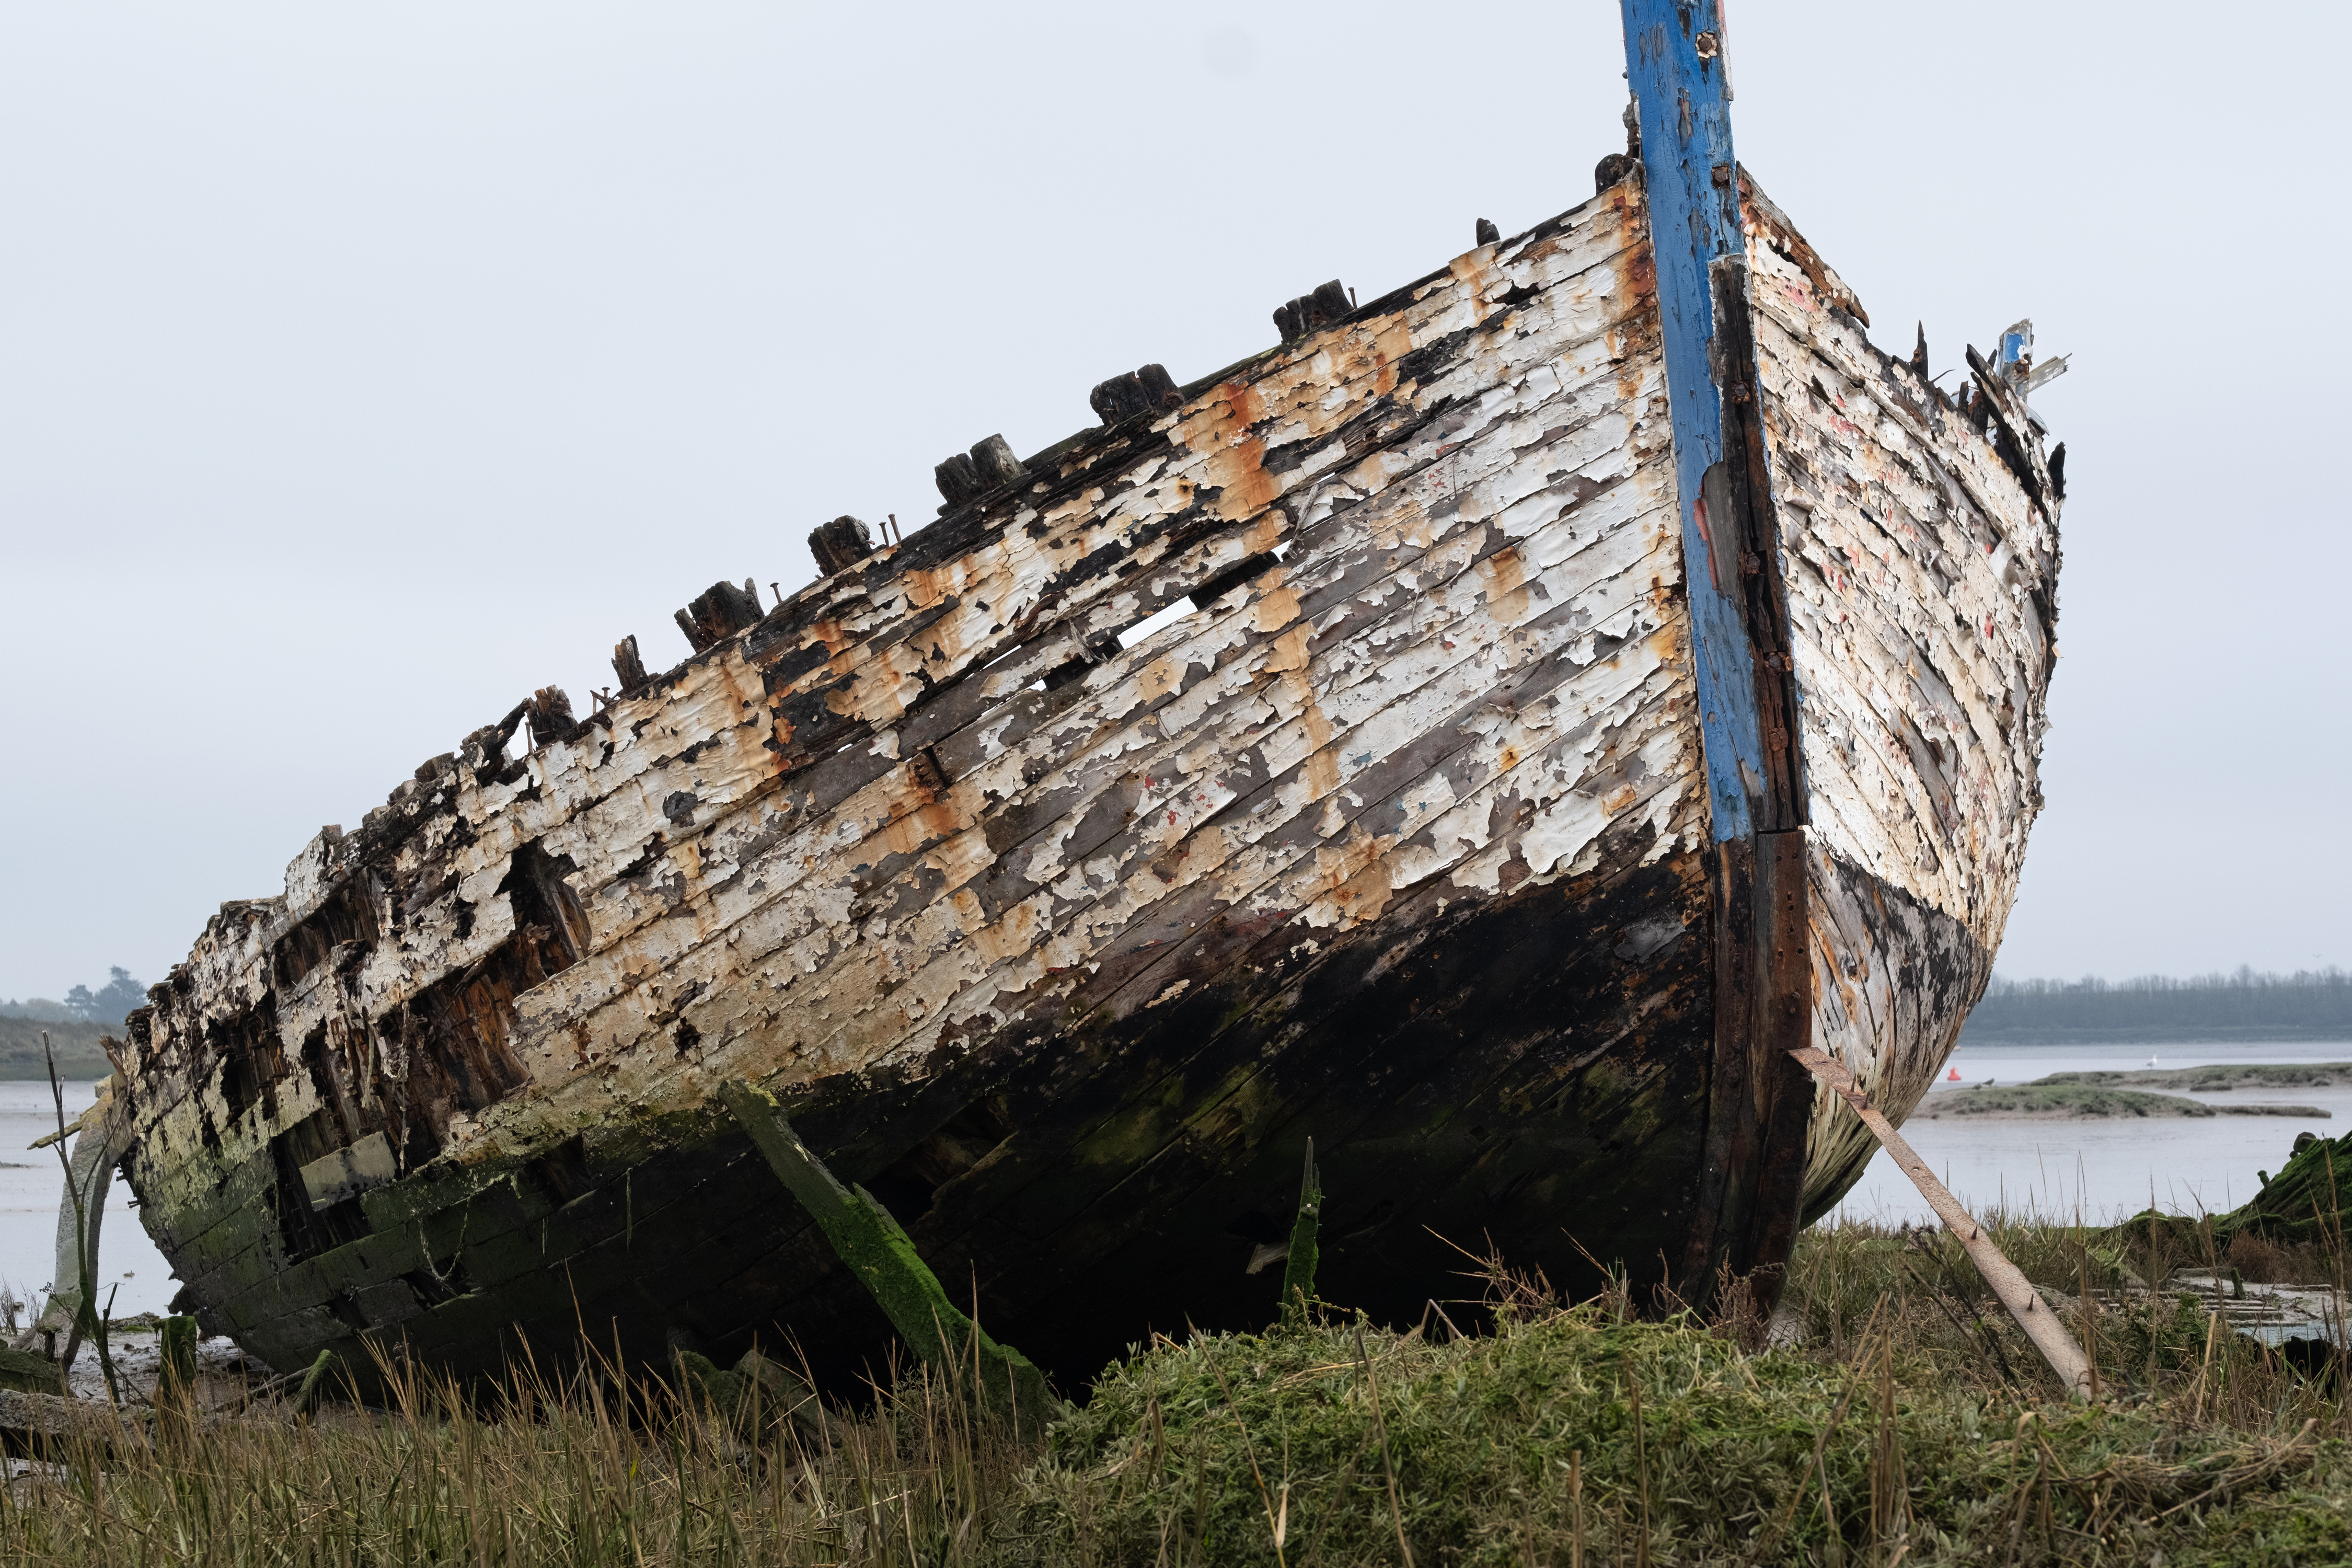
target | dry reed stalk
x=1640, y=1475
x=1379, y=1425
x=1576, y=1506
x=1889, y=1486
x=1272, y=1524
x=2212, y=1334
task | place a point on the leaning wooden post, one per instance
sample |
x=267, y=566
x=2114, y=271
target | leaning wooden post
x=2016, y=1292
x=883, y=1255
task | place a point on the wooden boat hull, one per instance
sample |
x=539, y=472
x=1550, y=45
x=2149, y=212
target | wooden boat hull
x=1406, y=840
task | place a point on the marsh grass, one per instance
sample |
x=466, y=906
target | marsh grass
x=1909, y=1422
x=1896, y=1435
x=594, y=1468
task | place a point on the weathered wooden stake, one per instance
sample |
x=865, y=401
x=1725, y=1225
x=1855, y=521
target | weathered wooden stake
x=1298, y=1272
x=879, y=1253
x=175, y=1373
x=2016, y=1292
x=315, y=1386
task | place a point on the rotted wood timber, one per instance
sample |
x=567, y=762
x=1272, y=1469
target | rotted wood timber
x=1606, y=672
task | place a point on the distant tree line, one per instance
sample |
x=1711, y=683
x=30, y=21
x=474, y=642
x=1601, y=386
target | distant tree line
x=2307, y=1004
x=109, y=1005
x=76, y=1049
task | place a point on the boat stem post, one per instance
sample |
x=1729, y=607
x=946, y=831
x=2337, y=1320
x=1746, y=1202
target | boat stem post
x=2016, y=1292
x=1751, y=1186
x=879, y=1253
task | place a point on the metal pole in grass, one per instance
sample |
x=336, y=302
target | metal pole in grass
x=2013, y=1290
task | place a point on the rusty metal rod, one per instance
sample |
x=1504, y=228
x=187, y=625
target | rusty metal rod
x=2015, y=1291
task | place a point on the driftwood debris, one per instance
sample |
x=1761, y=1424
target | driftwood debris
x=756, y=1392
x=28, y=1371
x=50, y=1425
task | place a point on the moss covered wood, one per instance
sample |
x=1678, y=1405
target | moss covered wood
x=175, y=1369
x=2305, y=1202
x=27, y=1373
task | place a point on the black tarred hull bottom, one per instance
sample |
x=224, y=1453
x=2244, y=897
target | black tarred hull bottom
x=1527, y=1073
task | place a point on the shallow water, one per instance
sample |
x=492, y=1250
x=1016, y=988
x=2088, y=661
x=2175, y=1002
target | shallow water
x=2104, y=1170
x=32, y=1183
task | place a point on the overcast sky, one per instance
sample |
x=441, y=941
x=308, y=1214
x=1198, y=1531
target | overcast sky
x=363, y=367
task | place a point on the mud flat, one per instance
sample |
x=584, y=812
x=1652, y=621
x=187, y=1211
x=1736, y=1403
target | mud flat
x=2046, y=1101
x=2219, y=1077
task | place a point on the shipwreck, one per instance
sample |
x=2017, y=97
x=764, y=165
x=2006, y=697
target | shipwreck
x=1596, y=670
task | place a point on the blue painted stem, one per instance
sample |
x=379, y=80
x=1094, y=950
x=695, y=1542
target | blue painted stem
x=1673, y=60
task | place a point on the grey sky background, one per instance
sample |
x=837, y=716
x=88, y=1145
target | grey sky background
x=362, y=368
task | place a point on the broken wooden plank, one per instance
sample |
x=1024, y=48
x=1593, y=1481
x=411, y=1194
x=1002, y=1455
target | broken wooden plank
x=61, y=1430
x=878, y=1251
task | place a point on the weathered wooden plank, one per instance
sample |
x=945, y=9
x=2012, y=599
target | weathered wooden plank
x=1908, y=630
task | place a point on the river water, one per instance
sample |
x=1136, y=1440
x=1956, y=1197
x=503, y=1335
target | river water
x=31, y=1182
x=2100, y=1170
x=2106, y=1169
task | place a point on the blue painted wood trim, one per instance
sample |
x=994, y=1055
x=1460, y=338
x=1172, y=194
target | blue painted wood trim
x=1673, y=60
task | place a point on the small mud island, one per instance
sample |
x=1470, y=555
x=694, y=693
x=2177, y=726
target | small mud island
x=2074, y=1097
